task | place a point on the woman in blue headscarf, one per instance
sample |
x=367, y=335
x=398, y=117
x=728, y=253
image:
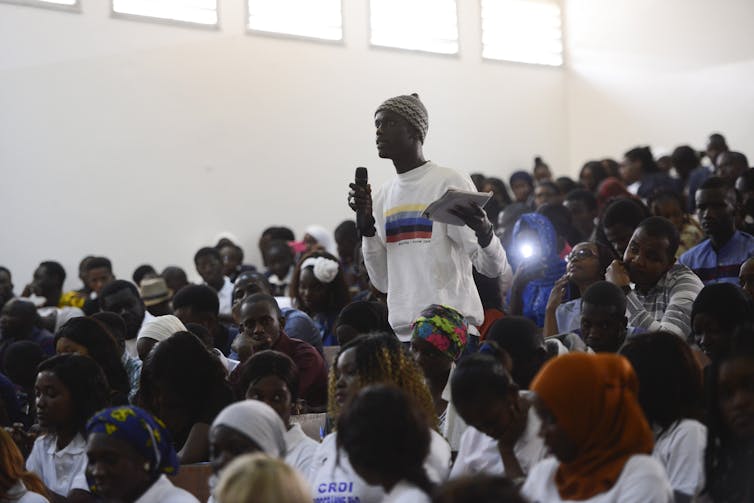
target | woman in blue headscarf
x=130, y=453
x=534, y=255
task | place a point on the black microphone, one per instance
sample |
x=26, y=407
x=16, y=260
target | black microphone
x=365, y=223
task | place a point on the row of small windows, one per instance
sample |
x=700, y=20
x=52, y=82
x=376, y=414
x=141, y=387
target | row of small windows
x=526, y=31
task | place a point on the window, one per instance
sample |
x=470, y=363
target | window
x=72, y=5
x=423, y=25
x=320, y=19
x=526, y=31
x=198, y=12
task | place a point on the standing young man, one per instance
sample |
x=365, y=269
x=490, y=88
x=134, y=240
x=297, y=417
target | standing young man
x=416, y=261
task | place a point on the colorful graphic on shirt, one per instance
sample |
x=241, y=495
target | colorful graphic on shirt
x=406, y=222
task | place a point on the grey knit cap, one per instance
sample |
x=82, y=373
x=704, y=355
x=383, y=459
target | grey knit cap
x=410, y=108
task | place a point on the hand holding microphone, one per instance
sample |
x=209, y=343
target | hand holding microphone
x=360, y=200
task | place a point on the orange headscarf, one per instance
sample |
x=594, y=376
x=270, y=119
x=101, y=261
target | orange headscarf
x=594, y=399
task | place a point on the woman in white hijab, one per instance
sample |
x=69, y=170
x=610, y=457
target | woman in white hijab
x=156, y=330
x=241, y=428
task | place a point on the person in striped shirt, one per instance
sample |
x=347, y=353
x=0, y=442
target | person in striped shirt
x=664, y=290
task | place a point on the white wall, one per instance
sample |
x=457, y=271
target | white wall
x=662, y=73
x=141, y=141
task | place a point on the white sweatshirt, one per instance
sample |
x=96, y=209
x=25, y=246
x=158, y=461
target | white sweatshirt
x=418, y=262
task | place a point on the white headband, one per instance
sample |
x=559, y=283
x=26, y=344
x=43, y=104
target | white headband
x=324, y=269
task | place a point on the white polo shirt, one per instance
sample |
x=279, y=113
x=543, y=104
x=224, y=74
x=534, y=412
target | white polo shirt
x=61, y=470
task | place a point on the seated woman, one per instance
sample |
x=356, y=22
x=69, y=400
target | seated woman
x=522, y=186
x=386, y=437
x=593, y=425
x=257, y=477
x=716, y=313
x=156, y=330
x=730, y=442
x=243, y=428
x=670, y=394
x=586, y=264
x=184, y=384
x=69, y=389
x=537, y=266
x=318, y=289
x=88, y=337
x=438, y=338
x=671, y=205
x=503, y=433
x=371, y=359
x=17, y=485
x=272, y=377
x=130, y=453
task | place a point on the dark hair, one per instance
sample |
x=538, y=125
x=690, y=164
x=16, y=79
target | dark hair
x=561, y=220
x=659, y=227
x=714, y=182
x=207, y=251
x=479, y=377
x=585, y=196
x=477, y=179
x=192, y=375
x=550, y=185
x=201, y=332
x=365, y=317
x=5, y=270
x=383, y=431
x=198, y=298
x=501, y=191
x=263, y=297
x=20, y=362
x=599, y=172
x=278, y=233
x=644, y=156
x=727, y=463
x=565, y=184
x=670, y=382
x=116, y=286
x=54, y=269
x=279, y=243
x=685, y=157
x=727, y=304
x=625, y=211
x=142, y=271
x=85, y=382
x=113, y=322
x=718, y=140
x=337, y=288
x=479, y=488
x=174, y=270
x=102, y=348
x=230, y=244
x=521, y=176
x=517, y=335
x=270, y=363
x=97, y=263
x=663, y=195
x=605, y=294
x=346, y=230
x=739, y=159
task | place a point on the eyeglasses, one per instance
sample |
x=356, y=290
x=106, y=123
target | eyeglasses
x=581, y=254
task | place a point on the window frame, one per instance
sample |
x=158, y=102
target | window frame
x=455, y=55
x=168, y=22
x=255, y=32
x=75, y=8
x=563, y=62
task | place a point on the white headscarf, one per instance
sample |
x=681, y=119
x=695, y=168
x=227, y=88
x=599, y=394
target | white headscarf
x=323, y=237
x=259, y=422
x=161, y=328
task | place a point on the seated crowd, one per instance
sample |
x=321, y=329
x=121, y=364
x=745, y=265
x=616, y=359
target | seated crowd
x=612, y=359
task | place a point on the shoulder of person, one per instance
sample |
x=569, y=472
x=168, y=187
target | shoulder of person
x=643, y=469
x=688, y=432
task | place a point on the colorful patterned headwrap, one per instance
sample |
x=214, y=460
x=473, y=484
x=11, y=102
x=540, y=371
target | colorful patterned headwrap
x=444, y=328
x=144, y=432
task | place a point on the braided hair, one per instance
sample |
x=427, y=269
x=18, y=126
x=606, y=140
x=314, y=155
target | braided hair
x=381, y=358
